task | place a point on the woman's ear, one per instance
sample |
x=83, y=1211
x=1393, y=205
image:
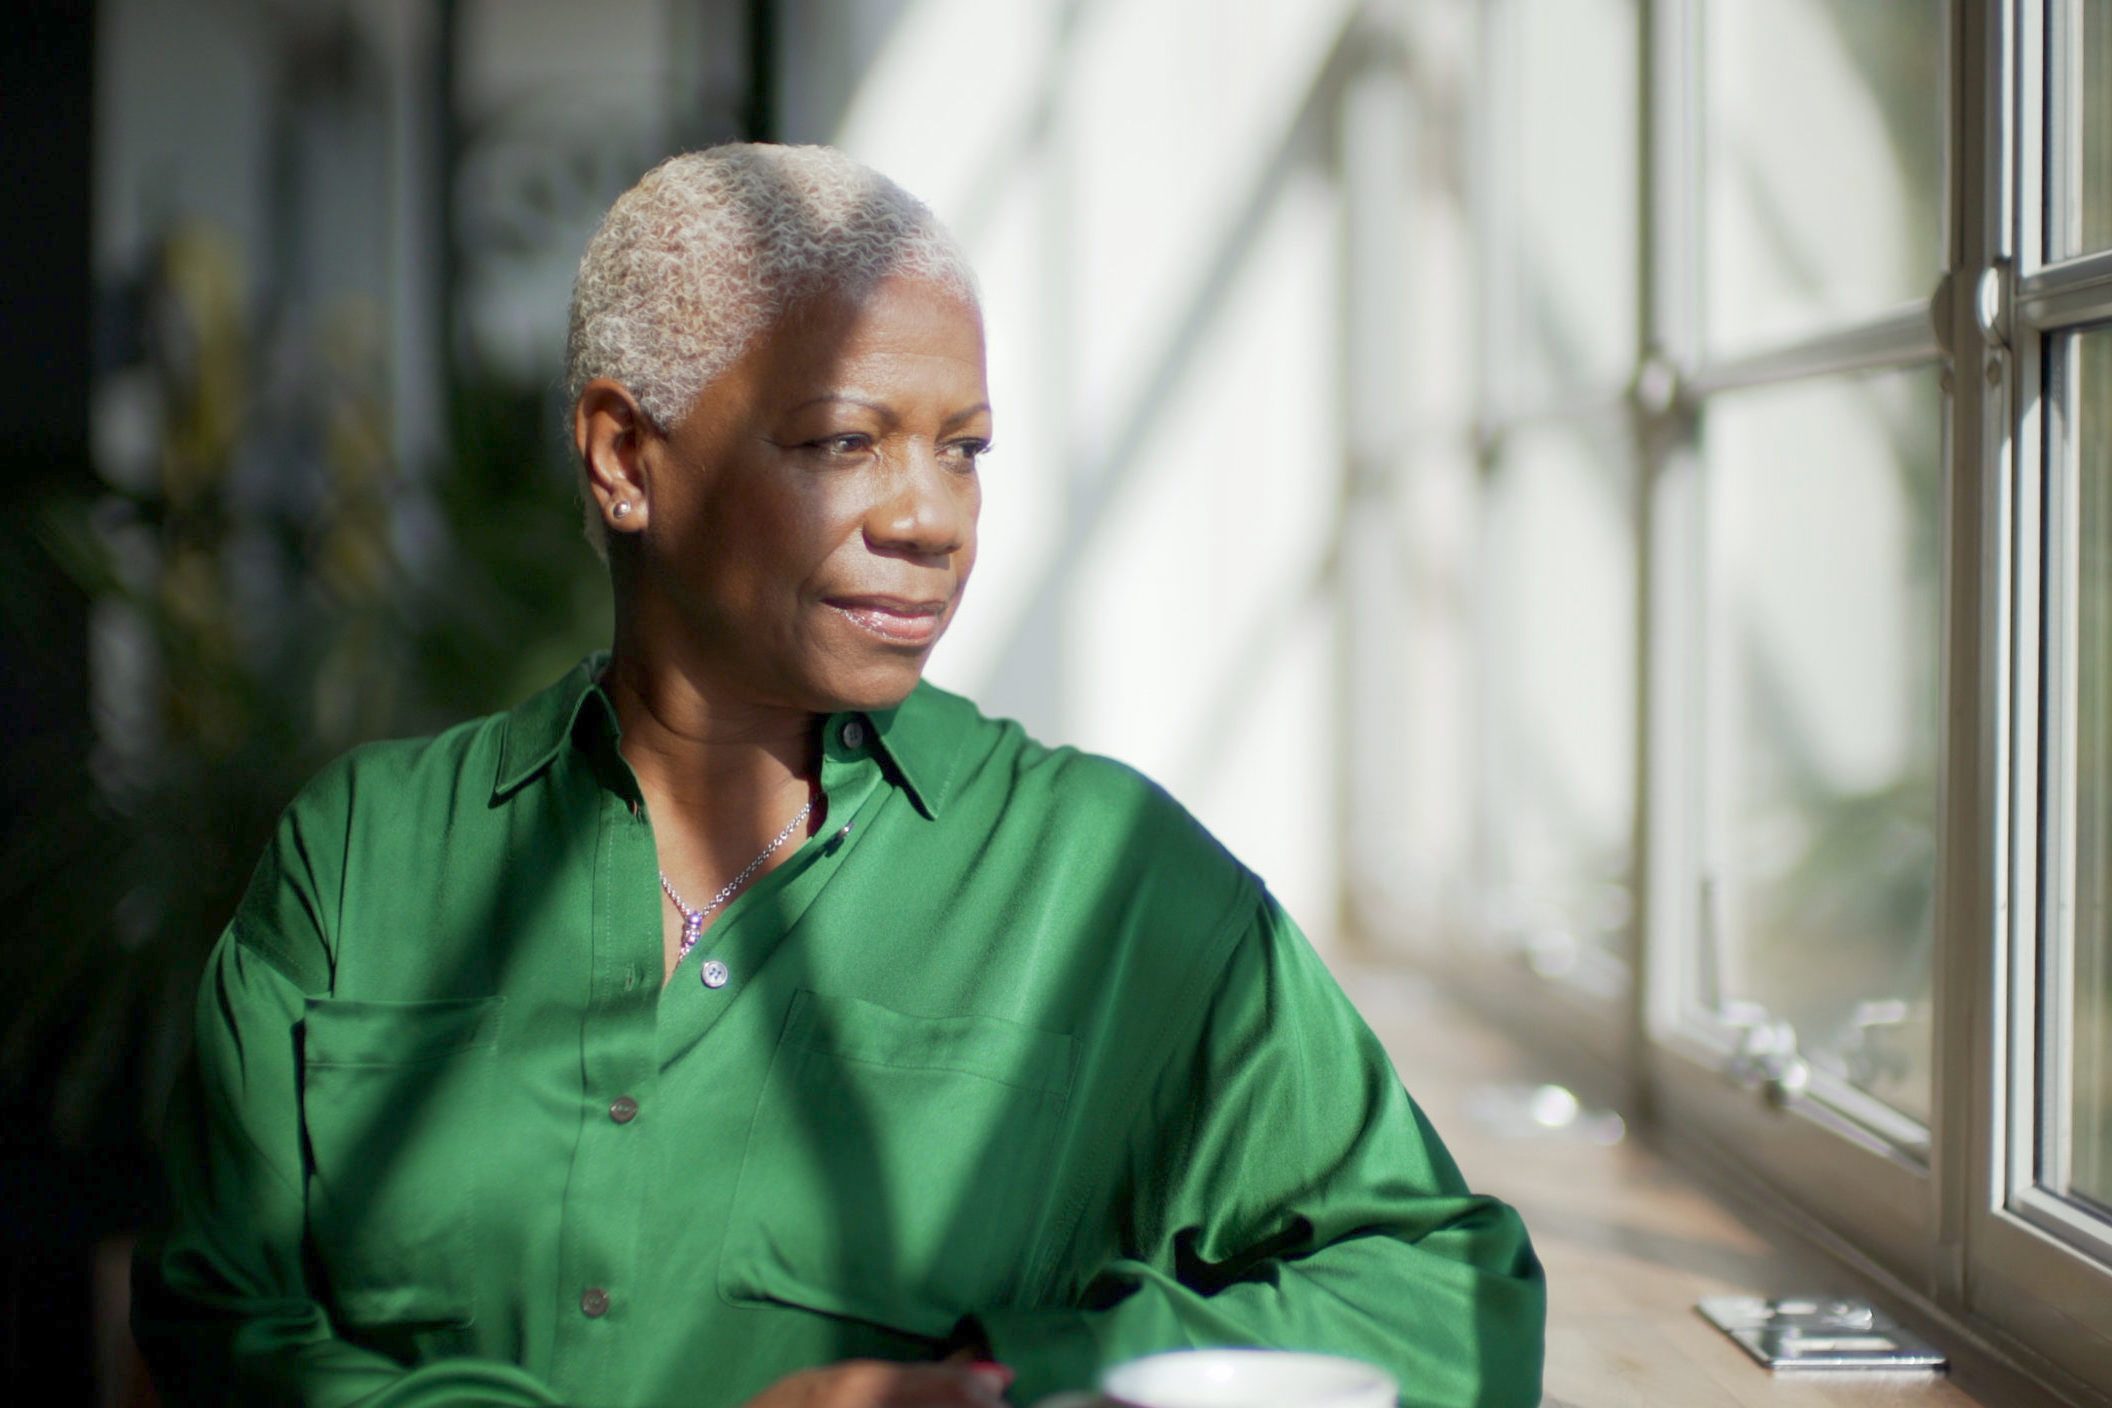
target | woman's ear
x=610, y=430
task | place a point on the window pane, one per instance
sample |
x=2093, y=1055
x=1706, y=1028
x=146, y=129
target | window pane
x=1823, y=555
x=2090, y=207
x=2090, y=1083
x=1560, y=757
x=1568, y=290
x=1823, y=163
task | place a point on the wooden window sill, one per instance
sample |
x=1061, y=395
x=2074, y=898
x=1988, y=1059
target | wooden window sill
x=1630, y=1241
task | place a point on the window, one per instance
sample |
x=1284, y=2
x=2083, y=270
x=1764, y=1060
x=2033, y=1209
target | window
x=1821, y=544
x=2080, y=1163
x=1556, y=544
x=1792, y=610
x=1561, y=134
x=1821, y=196
x=1557, y=591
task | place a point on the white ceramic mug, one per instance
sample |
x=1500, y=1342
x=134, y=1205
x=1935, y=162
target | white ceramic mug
x=1238, y=1378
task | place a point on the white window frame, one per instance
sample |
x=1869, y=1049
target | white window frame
x=2038, y=1267
x=1951, y=1226
x=1841, y=1160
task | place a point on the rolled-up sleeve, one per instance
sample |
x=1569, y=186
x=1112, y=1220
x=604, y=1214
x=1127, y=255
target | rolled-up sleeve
x=1278, y=1187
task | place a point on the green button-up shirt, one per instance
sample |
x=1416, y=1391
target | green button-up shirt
x=1011, y=1046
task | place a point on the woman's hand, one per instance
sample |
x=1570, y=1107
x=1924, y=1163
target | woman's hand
x=875, y=1383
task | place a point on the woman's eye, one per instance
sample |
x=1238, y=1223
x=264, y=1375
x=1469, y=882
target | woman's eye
x=969, y=451
x=841, y=444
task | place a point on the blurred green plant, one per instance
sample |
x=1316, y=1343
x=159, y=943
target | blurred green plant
x=246, y=639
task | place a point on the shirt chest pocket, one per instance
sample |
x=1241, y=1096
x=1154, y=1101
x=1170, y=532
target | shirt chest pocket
x=395, y=1104
x=897, y=1169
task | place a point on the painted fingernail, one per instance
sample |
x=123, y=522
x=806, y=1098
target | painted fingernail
x=989, y=1369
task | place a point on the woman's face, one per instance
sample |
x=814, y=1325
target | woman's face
x=812, y=520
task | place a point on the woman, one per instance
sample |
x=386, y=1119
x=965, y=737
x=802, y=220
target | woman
x=741, y=1020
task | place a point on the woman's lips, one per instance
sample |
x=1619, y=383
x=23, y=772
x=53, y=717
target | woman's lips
x=893, y=619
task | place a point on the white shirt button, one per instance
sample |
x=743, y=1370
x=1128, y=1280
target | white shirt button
x=854, y=733
x=714, y=973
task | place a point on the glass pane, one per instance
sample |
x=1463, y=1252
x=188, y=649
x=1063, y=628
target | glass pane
x=1559, y=760
x=2090, y=1083
x=1823, y=163
x=1568, y=290
x=2090, y=207
x=1823, y=558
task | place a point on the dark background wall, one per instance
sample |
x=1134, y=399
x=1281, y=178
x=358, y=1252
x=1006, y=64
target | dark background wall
x=55, y=1204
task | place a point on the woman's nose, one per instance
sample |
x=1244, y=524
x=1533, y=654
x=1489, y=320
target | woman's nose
x=928, y=513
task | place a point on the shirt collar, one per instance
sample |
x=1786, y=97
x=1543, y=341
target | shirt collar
x=919, y=739
x=540, y=725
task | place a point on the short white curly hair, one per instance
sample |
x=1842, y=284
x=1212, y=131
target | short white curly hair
x=712, y=247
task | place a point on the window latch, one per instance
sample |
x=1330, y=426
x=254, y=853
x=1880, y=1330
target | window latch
x=1992, y=304
x=1765, y=1058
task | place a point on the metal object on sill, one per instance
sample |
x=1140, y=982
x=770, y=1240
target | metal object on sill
x=1542, y=1112
x=1766, y=1058
x=1819, y=1333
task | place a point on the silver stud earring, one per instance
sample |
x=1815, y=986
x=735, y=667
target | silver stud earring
x=622, y=509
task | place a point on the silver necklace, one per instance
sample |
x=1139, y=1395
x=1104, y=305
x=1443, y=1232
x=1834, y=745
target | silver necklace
x=693, y=919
